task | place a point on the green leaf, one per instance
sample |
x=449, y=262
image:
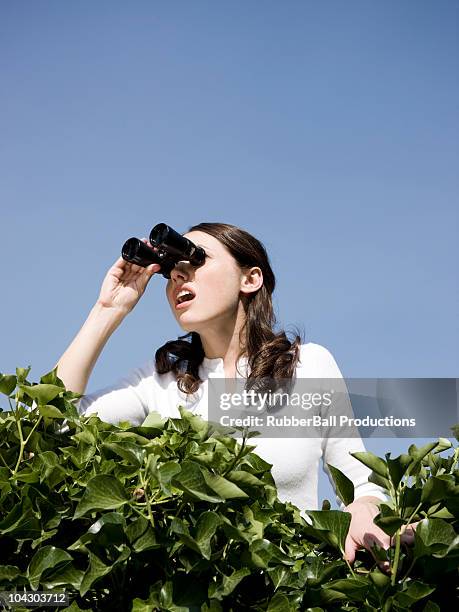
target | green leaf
x=86, y=436
x=279, y=603
x=130, y=452
x=44, y=559
x=223, y=487
x=109, y=529
x=7, y=383
x=167, y=471
x=388, y=519
x=256, y=464
x=241, y=478
x=146, y=541
x=205, y=529
x=74, y=607
x=379, y=578
x=50, y=411
x=22, y=374
x=354, y=589
x=199, y=425
x=331, y=525
x=8, y=572
x=317, y=572
x=28, y=475
x=68, y=576
x=412, y=593
x=379, y=480
x=432, y=537
x=80, y=455
x=21, y=522
x=165, y=595
x=442, y=445
x=279, y=575
x=418, y=453
x=102, y=493
x=398, y=467
x=51, y=378
x=375, y=463
x=140, y=605
x=96, y=570
x=214, y=606
x=191, y=480
x=344, y=486
x=228, y=584
x=264, y=553
x=135, y=529
x=154, y=420
x=42, y=394
x=438, y=488
x=431, y=606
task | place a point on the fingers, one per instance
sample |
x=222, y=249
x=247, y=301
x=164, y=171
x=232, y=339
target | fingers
x=378, y=544
x=122, y=267
x=118, y=268
x=350, y=548
x=378, y=547
x=373, y=546
x=152, y=269
x=407, y=537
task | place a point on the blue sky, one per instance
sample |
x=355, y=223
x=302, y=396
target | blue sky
x=327, y=129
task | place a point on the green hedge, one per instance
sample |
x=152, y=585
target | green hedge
x=179, y=515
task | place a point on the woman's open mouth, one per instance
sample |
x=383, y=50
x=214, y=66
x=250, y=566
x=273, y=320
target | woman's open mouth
x=183, y=299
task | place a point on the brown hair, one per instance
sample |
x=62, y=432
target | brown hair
x=269, y=354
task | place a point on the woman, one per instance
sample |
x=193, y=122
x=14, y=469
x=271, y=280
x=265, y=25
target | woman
x=225, y=305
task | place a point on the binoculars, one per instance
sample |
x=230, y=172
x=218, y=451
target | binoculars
x=171, y=247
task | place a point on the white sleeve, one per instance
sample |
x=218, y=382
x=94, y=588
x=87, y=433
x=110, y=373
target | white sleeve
x=128, y=399
x=336, y=450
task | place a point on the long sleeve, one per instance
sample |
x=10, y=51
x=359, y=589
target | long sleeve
x=336, y=450
x=128, y=399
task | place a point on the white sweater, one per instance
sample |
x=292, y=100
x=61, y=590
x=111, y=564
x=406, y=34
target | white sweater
x=294, y=460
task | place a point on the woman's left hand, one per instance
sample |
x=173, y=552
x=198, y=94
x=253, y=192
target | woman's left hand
x=363, y=533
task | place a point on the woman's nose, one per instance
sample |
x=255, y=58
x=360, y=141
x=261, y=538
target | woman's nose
x=181, y=270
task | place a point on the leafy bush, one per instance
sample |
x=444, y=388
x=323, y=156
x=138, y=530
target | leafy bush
x=178, y=515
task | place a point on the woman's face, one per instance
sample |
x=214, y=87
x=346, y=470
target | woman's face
x=215, y=286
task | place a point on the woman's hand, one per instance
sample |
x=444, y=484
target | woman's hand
x=125, y=283
x=363, y=533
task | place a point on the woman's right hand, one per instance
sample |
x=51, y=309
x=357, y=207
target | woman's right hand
x=125, y=283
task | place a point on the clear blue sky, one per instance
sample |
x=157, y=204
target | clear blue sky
x=327, y=129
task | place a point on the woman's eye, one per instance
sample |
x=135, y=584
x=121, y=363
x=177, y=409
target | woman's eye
x=198, y=265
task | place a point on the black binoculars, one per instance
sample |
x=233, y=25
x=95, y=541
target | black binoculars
x=171, y=247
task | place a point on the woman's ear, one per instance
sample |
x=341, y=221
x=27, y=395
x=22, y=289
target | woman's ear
x=251, y=280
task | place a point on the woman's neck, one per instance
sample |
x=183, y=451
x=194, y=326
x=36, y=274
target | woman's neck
x=224, y=341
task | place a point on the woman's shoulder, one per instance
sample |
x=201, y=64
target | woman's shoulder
x=313, y=349
x=145, y=374
x=147, y=369
x=316, y=360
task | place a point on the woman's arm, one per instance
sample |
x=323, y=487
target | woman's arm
x=123, y=286
x=363, y=533
x=76, y=364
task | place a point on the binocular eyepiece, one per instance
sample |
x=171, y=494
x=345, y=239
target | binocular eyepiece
x=171, y=247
